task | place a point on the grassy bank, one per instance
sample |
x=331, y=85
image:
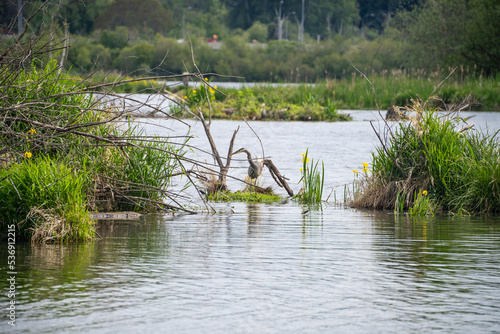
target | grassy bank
x=433, y=164
x=400, y=87
x=264, y=103
x=322, y=101
x=65, y=153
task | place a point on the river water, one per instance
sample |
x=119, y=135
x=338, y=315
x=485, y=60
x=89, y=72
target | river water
x=260, y=268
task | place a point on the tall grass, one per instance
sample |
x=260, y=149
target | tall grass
x=43, y=188
x=400, y=87
x=460, y=171
x=313, y=180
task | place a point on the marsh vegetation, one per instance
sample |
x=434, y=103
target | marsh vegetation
x=433, y=163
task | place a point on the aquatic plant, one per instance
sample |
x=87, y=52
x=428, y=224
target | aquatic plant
x=72, y=129
x=459, y=170
x=244, y=196
x=46, y=201
x=312, y=179
x=423, y=205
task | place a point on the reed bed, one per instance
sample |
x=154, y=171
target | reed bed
x=324, y=100
x=434, y=163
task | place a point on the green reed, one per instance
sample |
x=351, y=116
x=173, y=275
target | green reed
x=429, y=164
x=322, y=100
x=313, y=180
x=45, y=187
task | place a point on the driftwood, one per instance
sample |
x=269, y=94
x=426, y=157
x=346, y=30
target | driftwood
x=278, y=178
x=224, y=167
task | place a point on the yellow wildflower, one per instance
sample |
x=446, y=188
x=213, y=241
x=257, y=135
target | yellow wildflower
x=424, y=192
x=32, y=131
x=365, y=170
x=206, y=79
x=194, y=91
x=27, y=154
x=355, y=171
x=215, y=87
x=365, y=164
x=185, y=97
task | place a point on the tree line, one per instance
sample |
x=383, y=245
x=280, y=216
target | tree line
x=261, y=40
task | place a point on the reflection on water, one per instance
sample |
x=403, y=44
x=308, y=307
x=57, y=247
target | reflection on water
x=267, y=269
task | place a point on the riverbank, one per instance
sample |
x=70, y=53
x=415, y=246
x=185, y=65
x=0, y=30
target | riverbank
x=320, y=101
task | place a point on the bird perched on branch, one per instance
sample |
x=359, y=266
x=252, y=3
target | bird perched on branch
x=255, y=168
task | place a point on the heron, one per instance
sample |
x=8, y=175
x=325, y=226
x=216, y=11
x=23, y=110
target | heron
x=255, y=168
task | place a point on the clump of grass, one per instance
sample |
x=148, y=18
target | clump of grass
x=459, y=170
x=313, y=179
x=43, y=188
x=244, y=196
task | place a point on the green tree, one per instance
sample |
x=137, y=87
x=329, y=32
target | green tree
x=258, y=31
x=81, y=15
x=457, y=32
x=114, y=39
x=139, y=14
x=139, y=56
x=328, y=18
x=85, y=56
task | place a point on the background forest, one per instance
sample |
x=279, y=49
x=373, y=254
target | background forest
x=270, y=40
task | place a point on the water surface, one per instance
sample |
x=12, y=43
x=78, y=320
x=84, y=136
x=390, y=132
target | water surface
x=257, y=268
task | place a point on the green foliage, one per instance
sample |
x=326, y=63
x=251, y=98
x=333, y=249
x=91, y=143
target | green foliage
x=294, y=103
x=36, y=93
x=86, y=56
x=258, y=32
x=313, y=179
x=371, y=35
x=69, y=134
x=244, y=196
x=457, y=32
x=422, y=205
x=115, y=39
x=138, y=14
x=460, y=171
x=45, y=184
x=139, y=56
